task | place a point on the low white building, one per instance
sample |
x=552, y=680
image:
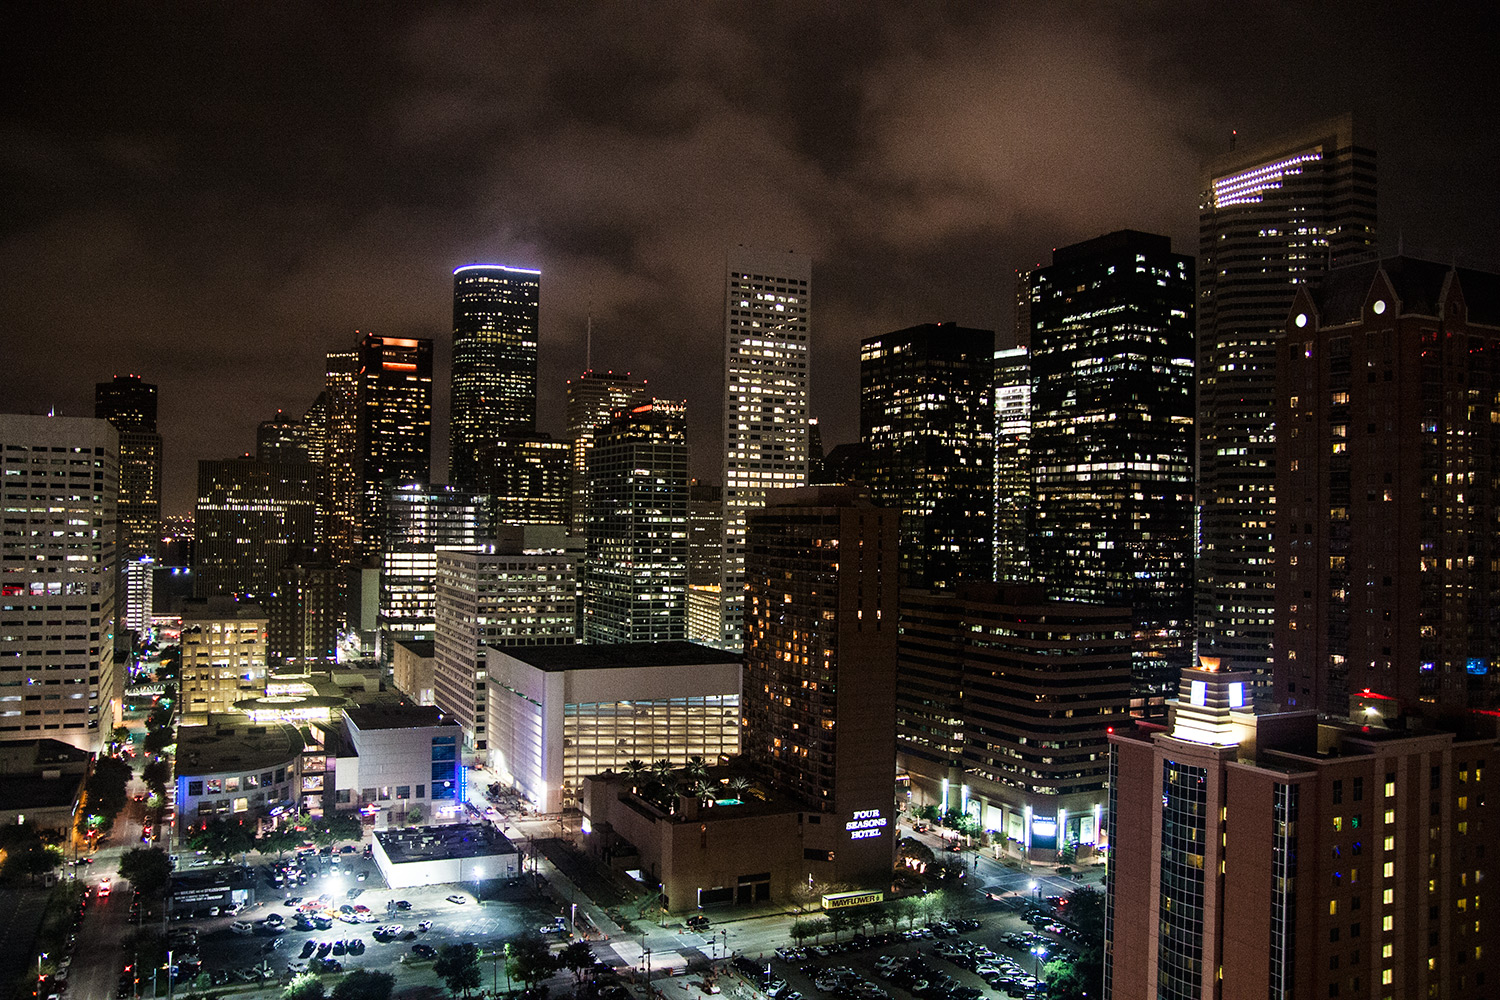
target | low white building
x=437, y=855
x=399, y=763
x=559, y=714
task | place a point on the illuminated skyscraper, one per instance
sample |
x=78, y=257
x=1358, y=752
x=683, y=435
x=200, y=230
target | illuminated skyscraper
x=58, y=477
x=926, y=421
x=1270, y=218
x=635, y=572
x=1388, y=420
x=251, y=518
x=339, y=500
x=282, y=439
x=767, y=315
x=527, y=478
x=130, y=405
x=421, y=521
x=495, y=316
x=1112, y=441
x=393, y=425
x=593, y=398
x=1012, y=463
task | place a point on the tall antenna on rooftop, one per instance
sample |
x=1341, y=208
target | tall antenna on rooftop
x=588, y=340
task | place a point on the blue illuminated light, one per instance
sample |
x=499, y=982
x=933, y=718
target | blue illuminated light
x=1478, y=666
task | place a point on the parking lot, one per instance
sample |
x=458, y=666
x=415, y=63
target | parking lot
x=322, y=907
x=971, y=959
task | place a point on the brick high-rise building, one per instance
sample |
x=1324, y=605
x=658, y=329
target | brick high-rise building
x=1257, y=854
x=1388, y=439
x=820, y=672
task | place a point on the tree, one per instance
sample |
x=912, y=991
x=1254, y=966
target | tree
x=305, y=987
x=577, y=958
x=928, y=812
x=738, y=786
x=331, y=829
x=457, y=965
x=362, y=984
x=802, y=929
x=146, y=868
x=840, y=920
x=157, y=773
x=104, y=794
x=157, y=740
x=278, y=841
x=148, y=947
x=528, y=959
x=697, y=767
x=636, y=769
x=222, y=837
x=119, y=738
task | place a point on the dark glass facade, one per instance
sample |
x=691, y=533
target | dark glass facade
x=1112, y=441
x=394, y=425
x=635, y=576
x=129, y=403
x=927, y=426
x=495, y=316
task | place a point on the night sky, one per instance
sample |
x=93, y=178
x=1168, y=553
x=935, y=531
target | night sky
x=214, y=195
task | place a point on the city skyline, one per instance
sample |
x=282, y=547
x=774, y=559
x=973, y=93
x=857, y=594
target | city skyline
x=234, y=221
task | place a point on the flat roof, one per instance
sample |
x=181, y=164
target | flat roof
x=423, y=648
x=623, y=655
x=240, y=746
x=397, y=716
x=440, y=843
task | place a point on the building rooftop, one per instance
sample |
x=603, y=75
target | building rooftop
x=27, y=756
x=424, y=648
x=617, y=655
x=1421, y=285
x=227, y=745
x=439, y=843
x=396, y=716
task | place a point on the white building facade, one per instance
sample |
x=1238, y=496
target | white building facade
x=559, y=715
x=767, y=313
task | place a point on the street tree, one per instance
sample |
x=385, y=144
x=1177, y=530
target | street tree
x=457, y=965
x=362, y=984
x=528, y=959
x=156, y=774
x=278, y=841
x=305, y=987
x=802, y=929
x=222, y=837
x=104, y=794
x=577, y=958
x=146, y=868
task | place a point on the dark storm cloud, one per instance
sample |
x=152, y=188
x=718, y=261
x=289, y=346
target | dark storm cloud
x=214, y=197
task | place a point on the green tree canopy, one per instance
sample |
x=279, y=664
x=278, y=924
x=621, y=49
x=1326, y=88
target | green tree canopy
x=457, y=965
x=305, y=987
x=104, y=794
x=156, y=774
x=146, y=868
x=222, y=837
x=578, y=958
x=278, y=841
x=362, y=984
x=528, y=959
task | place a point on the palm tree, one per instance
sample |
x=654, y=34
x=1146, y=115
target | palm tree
x=663, y=769
x=634, y=770
x=738, y=786
x=704, y=791
x=697, y=767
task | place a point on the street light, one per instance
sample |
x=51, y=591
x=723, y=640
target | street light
x=1037, y=954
